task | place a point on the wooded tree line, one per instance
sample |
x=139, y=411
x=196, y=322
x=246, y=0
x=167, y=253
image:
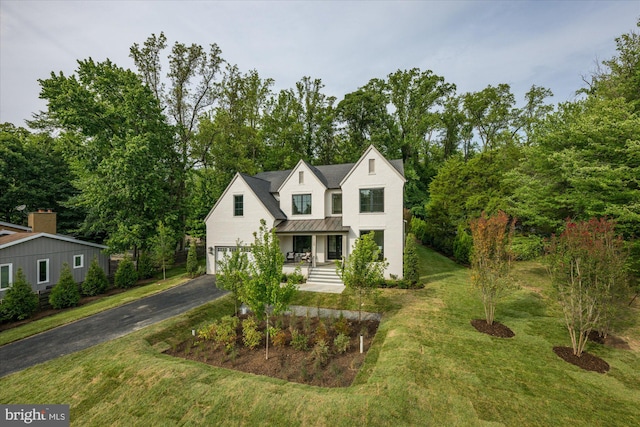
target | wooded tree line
x=118, y=150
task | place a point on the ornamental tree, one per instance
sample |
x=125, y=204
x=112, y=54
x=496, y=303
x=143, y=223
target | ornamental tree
x=263, y=292
x=233, y=273
x=363, y=270
x=65, y=293
x=490, y=259
x=586, y=264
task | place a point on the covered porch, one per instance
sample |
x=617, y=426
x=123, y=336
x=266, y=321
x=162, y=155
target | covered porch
x=313, y=242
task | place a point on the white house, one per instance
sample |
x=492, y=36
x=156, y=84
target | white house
x=317, y=211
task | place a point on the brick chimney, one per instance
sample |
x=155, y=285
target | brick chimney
x=43, y=221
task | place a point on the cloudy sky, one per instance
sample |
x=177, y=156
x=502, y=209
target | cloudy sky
x=345, y=43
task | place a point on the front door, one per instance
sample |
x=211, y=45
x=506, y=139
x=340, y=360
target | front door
x=334, y=243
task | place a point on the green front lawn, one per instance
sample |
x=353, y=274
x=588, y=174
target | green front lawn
x=428, y=366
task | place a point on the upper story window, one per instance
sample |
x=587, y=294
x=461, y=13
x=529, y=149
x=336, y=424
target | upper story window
x=372, y=166
x=371, y=200
x=301, y=204
x=336, y=203
x=378, y=237
x=301, y=177
x=238, y=205
x=6, y=276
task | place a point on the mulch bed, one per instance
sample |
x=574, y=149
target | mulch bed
x=284, y=361
x=496, y=329
x=610, y=340
x=586, y=361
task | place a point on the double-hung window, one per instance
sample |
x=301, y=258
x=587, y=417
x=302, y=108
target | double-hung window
x=301, y=204
x=371, y=200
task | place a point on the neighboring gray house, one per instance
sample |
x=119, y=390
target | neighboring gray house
x=41, y=253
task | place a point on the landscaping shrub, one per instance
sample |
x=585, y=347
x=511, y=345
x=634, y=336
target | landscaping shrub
x=251, y=336
x=225, y=333
x=145, y=266
x=321, y=332
x=126, y=275
x=525, y=248
x=410, y=265
x=19, y=302
x=299, y=340
x=279, y=339
x=341, y=343
x=320, y=353
x=295, y=278
x=342, y=326
x=96, y=281
x=192, y=260
x=207, y=332
x=65, y=293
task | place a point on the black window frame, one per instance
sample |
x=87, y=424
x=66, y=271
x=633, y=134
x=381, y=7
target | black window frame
x=378, y=236
x=334, y=197
x=370, y=203
x=238, y=208
x=295, y=208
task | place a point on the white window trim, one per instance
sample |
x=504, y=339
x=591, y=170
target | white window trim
x=10, y=275
x=81, y=256
x=46, y=261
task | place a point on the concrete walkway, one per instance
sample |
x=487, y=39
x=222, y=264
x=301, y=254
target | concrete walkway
x=107, y=325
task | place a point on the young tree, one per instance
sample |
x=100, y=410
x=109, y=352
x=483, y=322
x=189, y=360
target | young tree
x=19, y=302
x=411, y=261
x=586, y=263
x=233, y=273
x=363, y=269
x=163, y=246
x=490, y=259
x=192, y=260
x=126, y=274
x=264, y=293
x=65, y=293
x=96, y=281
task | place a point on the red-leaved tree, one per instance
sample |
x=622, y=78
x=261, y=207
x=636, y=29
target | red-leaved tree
x=490, y=259
x=586, y=263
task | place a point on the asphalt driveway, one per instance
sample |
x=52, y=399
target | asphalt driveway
x=107, y=325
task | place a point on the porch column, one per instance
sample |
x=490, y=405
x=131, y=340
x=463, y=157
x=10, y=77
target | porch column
x=313, y=251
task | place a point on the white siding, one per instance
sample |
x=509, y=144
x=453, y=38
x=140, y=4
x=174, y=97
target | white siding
x=223, y=228
x=311, y=185
x=391, y=220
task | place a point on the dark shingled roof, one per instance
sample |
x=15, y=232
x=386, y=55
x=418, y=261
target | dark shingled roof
x=261, y=189
x=265, y=184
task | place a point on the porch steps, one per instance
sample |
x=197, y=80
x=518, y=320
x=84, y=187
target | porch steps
x=324, y=276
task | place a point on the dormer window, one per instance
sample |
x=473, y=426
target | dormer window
x=301, y=177
x=372, y=166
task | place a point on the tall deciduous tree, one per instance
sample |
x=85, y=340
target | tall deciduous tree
x=193, y=90
x=586, y=265
x=120, y=149
x=492, y=112
x=490, y=259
